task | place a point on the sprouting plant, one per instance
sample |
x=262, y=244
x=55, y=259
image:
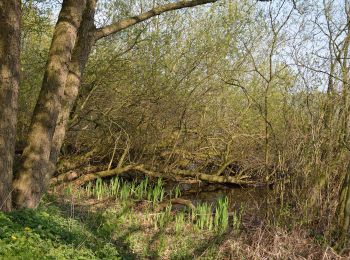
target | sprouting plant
x=99, y=189
x=179, y=222
x=235, y=221
x=162, y=218
x=132, y=188
x=203, y=216
x=157, y=193
x=141, y=189
x=221, y=215
x=114, y=186
x=88, y=189
x=125, y=191
x=177, y=191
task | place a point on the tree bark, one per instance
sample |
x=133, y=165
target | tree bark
x=82, y=49
x=31, y=180
x=10, y=38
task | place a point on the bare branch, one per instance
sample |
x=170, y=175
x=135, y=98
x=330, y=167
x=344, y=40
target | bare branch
x=127, y=22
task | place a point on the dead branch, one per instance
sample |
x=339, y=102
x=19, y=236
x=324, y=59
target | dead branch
x=116, y=171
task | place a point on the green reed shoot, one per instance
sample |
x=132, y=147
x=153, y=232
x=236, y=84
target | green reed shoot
x=141, y=189
x=179, y=222
x=237, y=219
x=88, y=189
x=204, y=216
x=99, y=189
x=161, y=219
x=125, y=191
x=114, y=186
x=177, y=191
x=156, y=194
x=221, y=215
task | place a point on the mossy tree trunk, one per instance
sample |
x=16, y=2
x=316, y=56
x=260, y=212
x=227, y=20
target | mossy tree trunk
x=10, y=39
x=31, y=180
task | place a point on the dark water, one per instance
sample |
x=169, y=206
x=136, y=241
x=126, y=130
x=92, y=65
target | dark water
x=238, y=197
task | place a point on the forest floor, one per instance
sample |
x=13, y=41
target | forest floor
x=73, y=225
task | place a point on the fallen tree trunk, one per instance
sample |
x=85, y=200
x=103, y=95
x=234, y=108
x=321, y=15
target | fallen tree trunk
x=116, y=171
x=140, y=168
x=65, y=177
x=215, y=178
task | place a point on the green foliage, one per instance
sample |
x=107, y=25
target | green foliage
x=221, y=215
x=99, y=190
x=125, y=190
x=157, y=193
x=179, y=222
x=204, y=216
x=46, y=234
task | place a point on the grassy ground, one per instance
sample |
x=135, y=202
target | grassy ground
x=88, y=224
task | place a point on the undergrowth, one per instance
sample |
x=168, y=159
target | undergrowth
x=122, y=220
x=47, y=234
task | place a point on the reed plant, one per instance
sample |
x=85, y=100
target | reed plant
x=204, y=217
x=179, y=222
x=221, y=215
x=114, y=186
x=98, y=190
x=88, y=189
x=156, y=194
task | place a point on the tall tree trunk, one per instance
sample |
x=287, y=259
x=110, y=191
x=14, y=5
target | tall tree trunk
x=10, y=38
x=32, y=178
x=82, y=49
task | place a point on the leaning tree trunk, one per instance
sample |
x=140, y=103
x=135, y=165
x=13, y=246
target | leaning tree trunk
x=82, y=49
x=10, y=17
x=31, y=180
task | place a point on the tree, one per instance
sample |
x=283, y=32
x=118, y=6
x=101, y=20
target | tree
x=66, y=62
x=10, y=17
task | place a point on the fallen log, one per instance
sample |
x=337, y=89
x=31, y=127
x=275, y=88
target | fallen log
x=215, y=178
x=78, y=181
x=65, y=177
x=116, y=171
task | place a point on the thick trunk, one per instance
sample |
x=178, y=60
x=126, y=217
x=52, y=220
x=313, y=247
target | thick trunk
x=32, y=178
x=77, y=65
x=10, y=16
